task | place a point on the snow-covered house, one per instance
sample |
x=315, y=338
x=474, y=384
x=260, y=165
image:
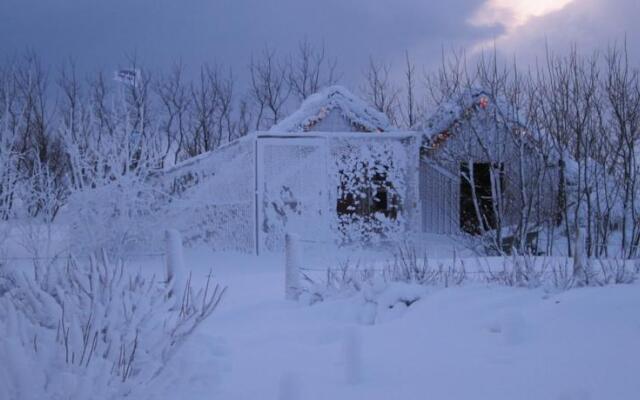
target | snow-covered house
x=479, y=163
x=333, y=171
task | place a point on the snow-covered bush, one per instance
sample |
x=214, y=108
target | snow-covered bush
x=385, y=289
x=556, y=273
x=408, y=277
x=118, y=216
x=520, y=270
x=408, y=267
x=616, y=271
x=376, y=297
x=79, y=330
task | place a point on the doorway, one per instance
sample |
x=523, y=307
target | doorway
x=469, y=221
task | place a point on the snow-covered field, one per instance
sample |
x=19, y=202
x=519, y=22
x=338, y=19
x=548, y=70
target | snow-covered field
x=472, y=342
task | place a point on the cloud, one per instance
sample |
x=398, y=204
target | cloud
x=588, y=24
x=514, y=13
x=98, y=33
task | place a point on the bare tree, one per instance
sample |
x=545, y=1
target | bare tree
x=39, y=145
x=245, y=116
x=74, y=122
x=411, y=109
x=176, y=102
x=9, y=155
x=212, y=110
x=622, y=88
x=269, y=88
x=449, y=79
x=380, y=90
x=138, y=121
x=567, y=112
x=225, y=125
x=310, y=70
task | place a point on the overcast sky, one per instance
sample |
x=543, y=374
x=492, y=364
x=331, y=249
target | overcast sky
x=98, y=33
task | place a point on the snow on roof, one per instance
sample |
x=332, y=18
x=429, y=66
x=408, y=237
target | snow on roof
x=448, y=113
x=203, y=157
x=440, y=125
x=317, y=106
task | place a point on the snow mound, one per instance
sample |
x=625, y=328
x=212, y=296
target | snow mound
x=361, y=116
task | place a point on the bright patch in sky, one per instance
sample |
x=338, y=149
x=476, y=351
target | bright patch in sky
x=514, y=13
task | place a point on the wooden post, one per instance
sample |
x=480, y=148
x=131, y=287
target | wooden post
x=174, y=272
x=292, y=268
x=353, y=357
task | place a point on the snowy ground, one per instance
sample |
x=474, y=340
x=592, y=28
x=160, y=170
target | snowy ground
x=475, y=342
x=470, y=342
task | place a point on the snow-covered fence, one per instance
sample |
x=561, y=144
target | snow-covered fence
x=213, y=197
x=246, y=195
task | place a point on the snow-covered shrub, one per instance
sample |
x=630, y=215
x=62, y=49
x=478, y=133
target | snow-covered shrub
x=617, y=271
x=556, y=272
x=517, y=270
x=345, y=280
x=375, y=297
x=399, y=283
x=562, y=274
x=118, y=216
x=385, y=289
x=349, y=277
x=408, y=267
x=77, y=330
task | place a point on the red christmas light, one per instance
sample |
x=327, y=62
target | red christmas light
x=484, y=102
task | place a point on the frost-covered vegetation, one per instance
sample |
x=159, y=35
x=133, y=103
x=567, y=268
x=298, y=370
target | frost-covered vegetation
x=409, y=277
x=90, y=328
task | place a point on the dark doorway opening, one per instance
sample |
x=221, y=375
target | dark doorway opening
x=469, y=221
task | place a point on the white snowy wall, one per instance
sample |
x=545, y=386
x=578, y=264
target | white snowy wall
x=439, y=199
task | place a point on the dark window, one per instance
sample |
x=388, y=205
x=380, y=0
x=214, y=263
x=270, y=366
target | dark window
x=370, y=196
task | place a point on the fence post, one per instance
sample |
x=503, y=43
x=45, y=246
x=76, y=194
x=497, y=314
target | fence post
x=174, y=262
x=292, y=268
x=353, y=357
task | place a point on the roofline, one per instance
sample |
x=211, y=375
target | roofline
x=320, y=134
x=292, y=135
x=201, y=156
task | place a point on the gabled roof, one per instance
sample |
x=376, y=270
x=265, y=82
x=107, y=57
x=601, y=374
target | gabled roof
x=450, y=113
x=442, y=124
x=316, y=107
